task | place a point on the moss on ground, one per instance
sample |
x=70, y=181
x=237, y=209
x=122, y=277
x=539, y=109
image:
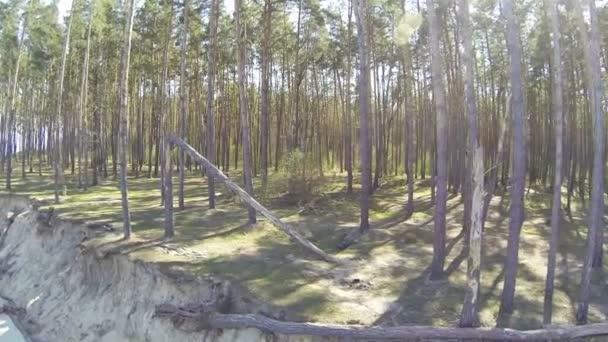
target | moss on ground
x=384, y=277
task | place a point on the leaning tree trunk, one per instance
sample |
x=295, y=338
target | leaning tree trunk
x=123, y=128
x=475, y=182
x=516, y=213
x=58, y=159
x=442, y=144
x=244, y=106
x=593, y=251
x=557, y=186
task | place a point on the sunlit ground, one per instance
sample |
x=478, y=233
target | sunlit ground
x=384, y=277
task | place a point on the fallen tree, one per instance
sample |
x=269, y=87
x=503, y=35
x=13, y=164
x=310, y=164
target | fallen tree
x=245, y=197
x=213, y=320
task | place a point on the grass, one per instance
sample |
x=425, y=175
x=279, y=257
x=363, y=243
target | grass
x=391, y=261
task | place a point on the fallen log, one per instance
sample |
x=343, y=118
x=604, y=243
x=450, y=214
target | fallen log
x=242, y=321
x=244, y=196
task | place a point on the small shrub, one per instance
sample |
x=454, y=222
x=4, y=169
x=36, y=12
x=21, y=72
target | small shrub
x=300, y=175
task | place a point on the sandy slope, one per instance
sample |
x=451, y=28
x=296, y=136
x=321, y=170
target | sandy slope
x=72, y=294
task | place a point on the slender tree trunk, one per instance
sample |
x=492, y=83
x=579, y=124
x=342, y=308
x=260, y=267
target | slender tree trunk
x=442, y=144
x=557, y=186
x=593, y=250
x=125, y=56
x=244, y=106
x=516, y=213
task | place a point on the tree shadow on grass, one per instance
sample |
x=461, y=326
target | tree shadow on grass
x=282, y=281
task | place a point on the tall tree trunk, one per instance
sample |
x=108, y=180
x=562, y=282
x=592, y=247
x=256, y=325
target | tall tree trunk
x=469, y=316
x=183, y=101
x=82, y=120
x=442, y=143
x=58, y=160
x=468, y=62
x=95, y=161
x=12, y=107
x=348, y=150
x=162, y=123
x=244, y=106
x=365, y=147
x=213, y=22
x=265, y=91
x=125, y=56
x=593, y=250
x=475, y=181
x=516, y=213
x=557, y=186
x=364, y=108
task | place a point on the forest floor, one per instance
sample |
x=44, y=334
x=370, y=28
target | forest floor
x=384, y=277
